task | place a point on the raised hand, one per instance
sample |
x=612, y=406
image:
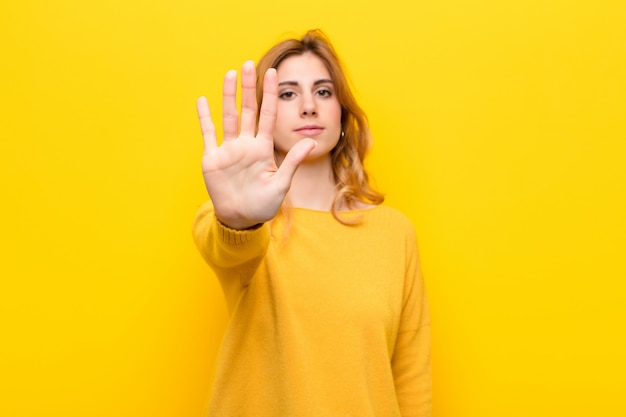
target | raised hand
x=241, y=176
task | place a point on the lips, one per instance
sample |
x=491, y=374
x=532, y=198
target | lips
x=310, y=130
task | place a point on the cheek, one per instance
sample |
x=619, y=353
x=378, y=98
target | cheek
x=336, y=111
x=337, y=115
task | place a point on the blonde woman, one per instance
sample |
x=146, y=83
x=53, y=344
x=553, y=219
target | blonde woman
x=328, y=311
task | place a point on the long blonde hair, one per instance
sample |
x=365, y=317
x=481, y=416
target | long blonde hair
x=351, y=178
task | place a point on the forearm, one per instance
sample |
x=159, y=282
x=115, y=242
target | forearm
x=224, y=248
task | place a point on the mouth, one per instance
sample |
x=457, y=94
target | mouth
x=310, y=130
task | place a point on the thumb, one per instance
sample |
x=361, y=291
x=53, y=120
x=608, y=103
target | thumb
x=293, y=159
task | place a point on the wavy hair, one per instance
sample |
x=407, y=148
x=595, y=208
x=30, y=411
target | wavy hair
x=351, y=178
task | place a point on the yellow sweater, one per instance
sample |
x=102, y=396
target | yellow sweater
x=330, y=321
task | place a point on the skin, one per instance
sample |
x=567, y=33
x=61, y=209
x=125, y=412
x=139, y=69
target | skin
x=241, y=175
x=307, y=106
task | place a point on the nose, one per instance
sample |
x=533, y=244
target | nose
x=308, y=106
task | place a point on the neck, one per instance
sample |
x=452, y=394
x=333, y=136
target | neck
x=313, y=186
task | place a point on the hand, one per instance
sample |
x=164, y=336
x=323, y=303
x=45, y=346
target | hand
x=241, y=176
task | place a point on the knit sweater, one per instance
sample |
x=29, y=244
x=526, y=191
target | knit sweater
x=325, y=320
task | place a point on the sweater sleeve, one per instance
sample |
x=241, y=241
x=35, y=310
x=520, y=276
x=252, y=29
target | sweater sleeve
x=411, y=362
x=230, y=253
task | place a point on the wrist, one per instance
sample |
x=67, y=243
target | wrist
x=239, y=224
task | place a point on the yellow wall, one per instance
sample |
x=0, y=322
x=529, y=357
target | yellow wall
x=500, y=130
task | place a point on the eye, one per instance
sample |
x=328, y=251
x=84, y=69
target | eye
x=324, y=92
x=287, y=95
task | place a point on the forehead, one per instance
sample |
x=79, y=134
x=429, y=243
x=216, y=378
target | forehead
x=303, y=67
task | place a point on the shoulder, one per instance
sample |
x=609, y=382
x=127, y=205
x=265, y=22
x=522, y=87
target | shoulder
x=390, y=216
x=391, y=223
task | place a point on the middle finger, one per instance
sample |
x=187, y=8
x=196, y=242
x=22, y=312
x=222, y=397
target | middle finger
x=248, y=99
x=229, y=104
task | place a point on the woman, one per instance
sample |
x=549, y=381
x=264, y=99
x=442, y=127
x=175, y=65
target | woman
x=328, y=312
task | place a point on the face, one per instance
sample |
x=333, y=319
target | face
x=307, y=106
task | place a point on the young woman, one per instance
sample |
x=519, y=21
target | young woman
x=328, y=311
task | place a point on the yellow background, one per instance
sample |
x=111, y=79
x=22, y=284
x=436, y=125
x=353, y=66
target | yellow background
x=500, y=130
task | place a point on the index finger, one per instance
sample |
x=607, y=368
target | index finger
x=206, y=124
x=267, y=114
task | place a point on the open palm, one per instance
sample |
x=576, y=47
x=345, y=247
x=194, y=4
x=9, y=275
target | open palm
x=242, y=178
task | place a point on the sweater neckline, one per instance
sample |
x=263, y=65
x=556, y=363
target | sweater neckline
x=355, y=211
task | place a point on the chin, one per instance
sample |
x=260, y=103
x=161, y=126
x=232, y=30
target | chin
x=317, y=154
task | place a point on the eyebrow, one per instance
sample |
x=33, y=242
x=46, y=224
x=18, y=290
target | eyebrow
x=317, y=82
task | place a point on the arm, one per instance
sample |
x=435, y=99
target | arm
x=245, y=186
x=228, y=251
x=411, y=361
